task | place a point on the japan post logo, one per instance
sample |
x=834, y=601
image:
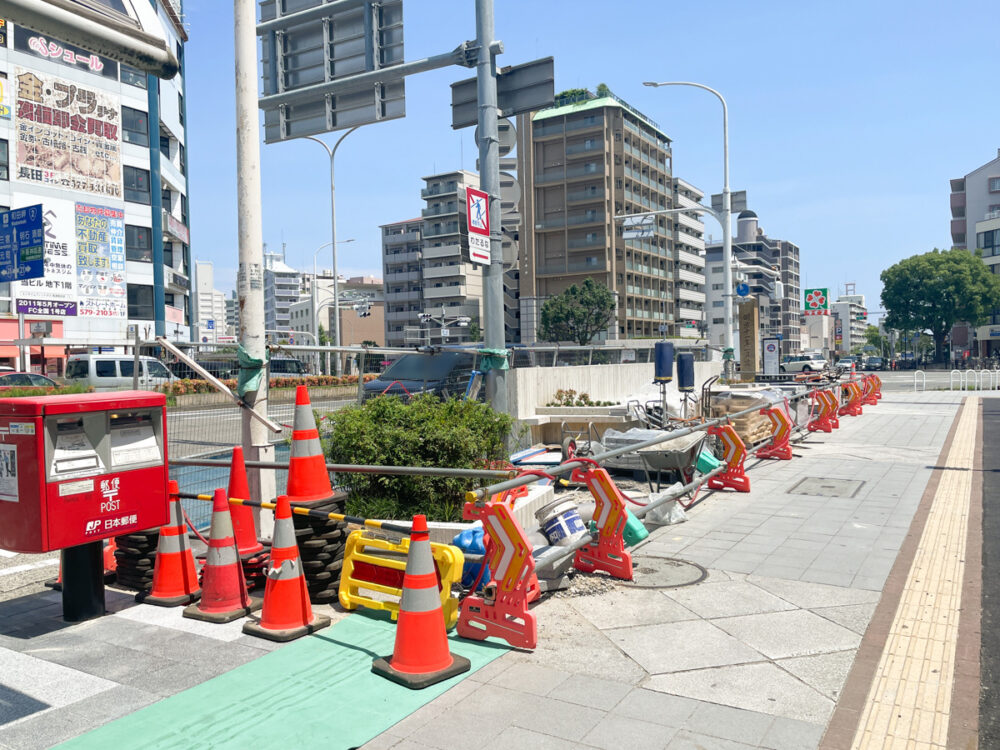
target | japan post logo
x=93, y=527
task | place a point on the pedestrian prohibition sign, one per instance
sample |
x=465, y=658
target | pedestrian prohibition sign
x=478, y=204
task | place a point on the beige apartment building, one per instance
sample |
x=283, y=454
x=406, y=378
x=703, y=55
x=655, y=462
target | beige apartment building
x=581, y=163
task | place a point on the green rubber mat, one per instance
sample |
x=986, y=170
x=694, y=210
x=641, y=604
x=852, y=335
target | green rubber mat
x=318, y=691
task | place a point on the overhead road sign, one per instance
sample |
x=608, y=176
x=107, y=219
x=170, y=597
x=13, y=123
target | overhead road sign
x=22, y=244
x=737, y=201
x=639, y=227
x=332, y=65
x=520, y=88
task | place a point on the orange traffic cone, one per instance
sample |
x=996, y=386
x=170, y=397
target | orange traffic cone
x=308, y=478
x=287, y=613
x=224, y=596
x=175, y=579
x=420, y=657
x=242, y=515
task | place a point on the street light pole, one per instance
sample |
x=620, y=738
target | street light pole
x=727, y=207
x=315, y=312
x=332, y=152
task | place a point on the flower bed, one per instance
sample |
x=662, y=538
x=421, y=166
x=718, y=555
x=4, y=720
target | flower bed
x=186, y=387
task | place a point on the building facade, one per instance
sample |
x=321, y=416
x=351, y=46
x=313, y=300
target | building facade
x=580, y=163
x=101, y=147
x=689, y=263
x=974, y=198
x=402, y=252
x=282, y=285
x=852, y=313
x=756, y=258
x=209, y=305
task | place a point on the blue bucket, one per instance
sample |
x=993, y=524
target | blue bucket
x=561, y=523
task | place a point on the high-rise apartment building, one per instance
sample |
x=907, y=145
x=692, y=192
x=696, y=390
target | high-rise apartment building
x=101, y=147
x=281, y=290
x=209, y=304
x=689, y=266
x=974, y=198
x=780, y=314
x=850, y=310
x=401, y=278
x=580, y=163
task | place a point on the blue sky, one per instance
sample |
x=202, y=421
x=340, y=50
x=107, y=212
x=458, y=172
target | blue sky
x=846, y=121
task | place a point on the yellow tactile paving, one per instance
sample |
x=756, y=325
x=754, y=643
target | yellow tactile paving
x=908, y=703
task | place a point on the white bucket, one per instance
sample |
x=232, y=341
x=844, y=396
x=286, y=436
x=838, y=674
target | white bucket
x=561, y=522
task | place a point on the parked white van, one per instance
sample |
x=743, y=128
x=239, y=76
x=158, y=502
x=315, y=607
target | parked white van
x=113, y=372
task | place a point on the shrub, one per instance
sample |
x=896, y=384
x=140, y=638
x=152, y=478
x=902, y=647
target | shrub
x=570, y=398
x=424, y=432
x=42, y=391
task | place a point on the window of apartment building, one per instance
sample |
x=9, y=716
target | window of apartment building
x=168, y=254
x=140, y=301
x=168, y=299
x=133, y=77
x=135, y=126
x=716, y=269
x=138, y=243
x=180, y=108
x=716, y=287
x=167, y=198
x=184, y=208
x=4, y=161
x=995, y=184
x=136, y=183
x=182, y=158
x=718, y=303
x=165, y=146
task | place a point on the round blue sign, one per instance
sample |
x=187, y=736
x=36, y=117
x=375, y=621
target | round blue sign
x=743, y=289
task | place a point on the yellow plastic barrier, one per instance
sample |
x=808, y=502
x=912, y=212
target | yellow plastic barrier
x=383, y=573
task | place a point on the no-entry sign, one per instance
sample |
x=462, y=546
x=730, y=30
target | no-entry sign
x=478, y=204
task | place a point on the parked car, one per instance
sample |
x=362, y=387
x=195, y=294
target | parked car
x=804, y=363
x=444, y=374
x=9, y=380
x=113, y=372
x=874, y=363
x=844, y=364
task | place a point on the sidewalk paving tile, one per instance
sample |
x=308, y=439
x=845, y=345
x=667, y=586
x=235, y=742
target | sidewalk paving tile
x=794, y=633
x=727, y=599
x=530, y=678
x=685, y=740
x=825, y=673
x=790, y=734
x=729, y=723
x=656, y=707
x=615, y=732
x=592, y=692
x=813, y=595
x=763, y=688
x=677, y=646
x=567, y=721
x=50, y=683
x=851, y=616
x=49, y=728
x=525, y=738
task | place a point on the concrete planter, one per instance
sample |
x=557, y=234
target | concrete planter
x=583, y=411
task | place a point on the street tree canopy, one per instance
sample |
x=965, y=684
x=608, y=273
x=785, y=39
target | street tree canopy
x=935, y=290
x=578, y=314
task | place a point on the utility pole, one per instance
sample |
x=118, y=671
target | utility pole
x=489, y=183
x=250, y=277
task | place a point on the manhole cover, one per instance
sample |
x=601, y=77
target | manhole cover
x=820, y=487
x=663, y=573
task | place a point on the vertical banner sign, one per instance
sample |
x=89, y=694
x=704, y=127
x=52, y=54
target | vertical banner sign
x=838, y=334
x=817, y=302
x=100, y=261
x=6, y=98
x=22, y=242
x=55, y=294
x=772, y=355
x=478, y=204
x=67, y=135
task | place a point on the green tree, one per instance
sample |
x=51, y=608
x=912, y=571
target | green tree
x=475, y=332
x=876, y=339
x=578, y=314
x=933, y=291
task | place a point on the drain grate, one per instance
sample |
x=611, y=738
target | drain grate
x=664, y=573
x=822, y=487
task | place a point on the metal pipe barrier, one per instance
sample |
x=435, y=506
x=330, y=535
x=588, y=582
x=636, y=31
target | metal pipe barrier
x=478, y=495
x=417, y=471
x=923, y=380
x=383, y=525
x=952, y=377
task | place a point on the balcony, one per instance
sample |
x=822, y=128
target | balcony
x=442, y=251
x=446, y=272
x=684, y=202
x=449, y=208
x=401, y=238
x=402, y=296
x=583, y=243
x=445, y=292
x=586, y=123
x=569, y=173
x=579, y=149
x=399, y=276
x=396, y=317
x=548, y=130
x=175, y=228
x=564, y=268
x=440, y=230
x=590, y=194
x=690, y=276
x=691, y=259
x=450, y=188
x=391, y=259
x=690, y=222
x=691, y=295
x=694, y=242
x=560, y=223
x=690, y=313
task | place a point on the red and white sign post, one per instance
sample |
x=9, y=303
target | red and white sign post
x=478, y=205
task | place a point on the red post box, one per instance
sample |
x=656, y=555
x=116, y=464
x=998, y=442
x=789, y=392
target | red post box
x=80, y=468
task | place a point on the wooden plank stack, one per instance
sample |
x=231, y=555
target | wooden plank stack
x=752, y=428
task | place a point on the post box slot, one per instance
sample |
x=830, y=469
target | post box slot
x=135, y=438
x=76, y=445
